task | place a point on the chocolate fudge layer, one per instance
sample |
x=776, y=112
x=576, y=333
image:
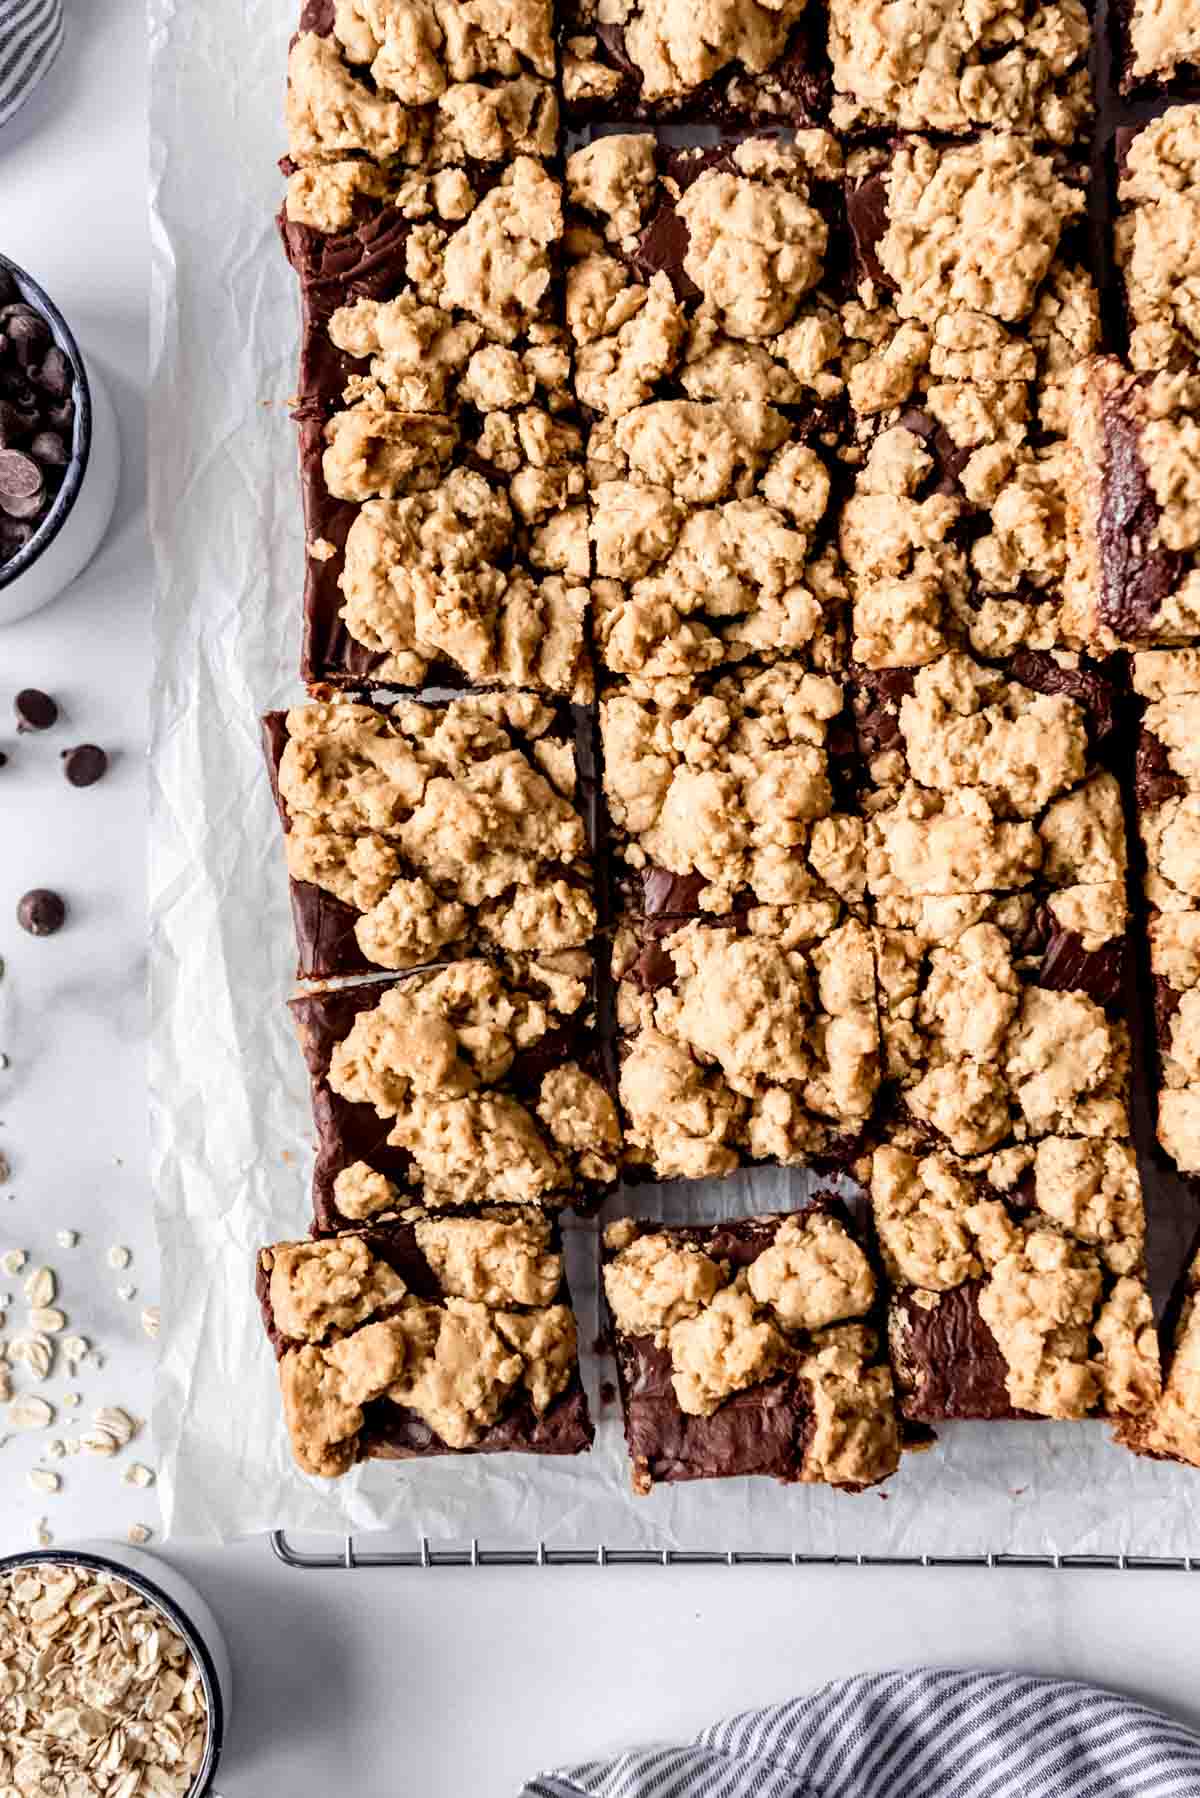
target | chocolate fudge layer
x=434, y=83
x=748, y=1348
x=728, y=796
x=477, y=1082
x=1171, y=1432
x=1018, y=1281
x=1157, y=44
x=1134, y=506
x=705, y=274
x=441, y=464
x=1168, y=802
x=430, y=1336
x=937, y=65
x=745, y=1039
x=732, y=62
x=417, y=830
x=971, y=305
x=1157, y=238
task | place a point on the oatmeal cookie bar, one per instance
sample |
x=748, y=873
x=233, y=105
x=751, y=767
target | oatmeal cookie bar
x=745, y=1039
x=1167, y=786
x=724, y=62
x=971, y=303
x=430, y=83
x=476, y=1082
x=1157, y=238
x=1157, y=44
x=939, y=65
x=417, y=830
x=440, y=458
x=706, y=274
x=750, y=1347
x=1134, y=506
x=1018, y=1281
x=430, y=1335
x=1171, y=1432
x=730, y=794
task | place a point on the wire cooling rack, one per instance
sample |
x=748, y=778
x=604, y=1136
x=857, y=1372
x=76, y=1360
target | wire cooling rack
x=349, y=1557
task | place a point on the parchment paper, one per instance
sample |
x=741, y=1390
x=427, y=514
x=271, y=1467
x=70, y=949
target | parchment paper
x=229, y=1093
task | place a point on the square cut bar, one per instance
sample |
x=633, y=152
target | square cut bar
x=732, y=62
x=476, y=1082
x=1157, y=238
x=1134, y=511
x=425, y=85
x=706, y=273
x=1156, y=45
x=430, y=1336
x=749, y=1039
x=1167, y=789
x=970, y=304
x=750, y=1347
x=727, y=795
x=1018, y=1281
x=1171, y=1432
x=416, y=831
x=938, y=65
x=441, y=460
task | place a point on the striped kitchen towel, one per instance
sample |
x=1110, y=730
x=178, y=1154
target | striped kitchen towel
x=31, y=35
x=923, y=1734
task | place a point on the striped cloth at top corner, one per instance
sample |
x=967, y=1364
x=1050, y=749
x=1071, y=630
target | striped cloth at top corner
x=31, y=35
x=930, y=1733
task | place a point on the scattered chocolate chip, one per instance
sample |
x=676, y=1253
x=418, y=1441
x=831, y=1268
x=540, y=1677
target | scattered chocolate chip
x=3, y=759
x=85, y=765
x=56, y=373
x=41, y=912
x=35, y=710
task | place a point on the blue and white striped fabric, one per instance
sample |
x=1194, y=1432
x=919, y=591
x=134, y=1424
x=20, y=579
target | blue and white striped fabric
x=924, y=1734
x=31, y=35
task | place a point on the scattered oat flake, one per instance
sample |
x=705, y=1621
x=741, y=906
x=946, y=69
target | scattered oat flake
x=5, y=1169
x=152, y=1320
x=48, y=1320
x=36, y=1352
x=127, y=1294
x=71, y=1399
x=118, y=1422
x=42, y=1534
x=74, y=1348
x=41, y=1287
x=13, y=1261
x=138, y=1474
x=56, y=1450
x=68, y=1239
x=119, y=1256
x=139, y=1533
x=30, y=1413
x=42, y=1480
x=99, y=1442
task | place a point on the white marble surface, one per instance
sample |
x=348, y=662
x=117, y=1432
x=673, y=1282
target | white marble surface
x=440, y=1683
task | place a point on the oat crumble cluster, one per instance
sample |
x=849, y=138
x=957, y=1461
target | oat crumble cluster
x=759, y=520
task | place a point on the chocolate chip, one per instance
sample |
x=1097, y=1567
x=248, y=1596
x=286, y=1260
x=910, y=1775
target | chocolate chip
x=85, y=765
x=28, y=333
x=14, y=424
x=35, y=710
x=49, y=449
x=55, y=374
x=8, y=287
x=60, y=417
x=15, y=533
x=41, y=912
x=3, y=759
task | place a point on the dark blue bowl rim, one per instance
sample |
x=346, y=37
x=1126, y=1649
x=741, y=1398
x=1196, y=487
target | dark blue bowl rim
x=81, y=448
x=133, y=1576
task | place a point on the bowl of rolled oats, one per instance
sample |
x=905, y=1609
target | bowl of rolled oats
x=107, y=1685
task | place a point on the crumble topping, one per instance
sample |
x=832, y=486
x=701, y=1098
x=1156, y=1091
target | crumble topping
x=934, y=65
x=496, y=266
x=856, y=1438
x=753, y=250
x=725, y=1348
x=615, y=177
x=362, y=1193
x=494, y=1261
x=812, y=1275
x=1175, y=1425
x=422, y=819
x=375, y=449
x=727, y=782
x=676, y=46
x=973, y=225
x=1164, y=35
x=317, y=1287
x=657, y=1281
x=1157, y=232
x=761, y=1045
x=329, y=112
x=416, y=47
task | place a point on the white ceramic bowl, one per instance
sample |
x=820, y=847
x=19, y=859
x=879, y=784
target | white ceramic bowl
x=162, y=1586
x=70, y=534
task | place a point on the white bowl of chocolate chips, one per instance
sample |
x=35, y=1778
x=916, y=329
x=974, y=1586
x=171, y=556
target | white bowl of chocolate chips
x=59, y=450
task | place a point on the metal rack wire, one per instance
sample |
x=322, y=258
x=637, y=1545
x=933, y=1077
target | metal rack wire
x=351, y=1558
